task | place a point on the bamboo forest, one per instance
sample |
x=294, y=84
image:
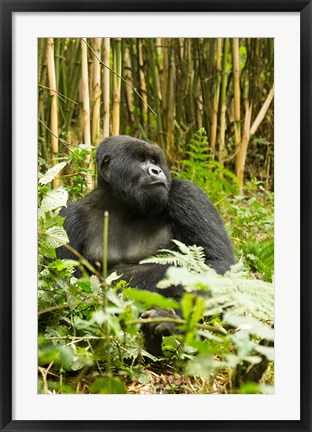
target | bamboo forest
x=156, y=215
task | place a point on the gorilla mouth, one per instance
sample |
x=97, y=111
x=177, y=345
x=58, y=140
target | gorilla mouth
x=157, y=182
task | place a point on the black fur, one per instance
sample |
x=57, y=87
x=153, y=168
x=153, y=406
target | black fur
x=146, y=210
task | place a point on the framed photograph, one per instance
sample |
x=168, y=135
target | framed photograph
x=172, y=40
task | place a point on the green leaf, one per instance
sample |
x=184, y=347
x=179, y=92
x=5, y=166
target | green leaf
x=268, y=352
x=61, y=355
x=84, y=285
x=55, y=237
x=46, y=250
x=108, y=386
x=51, y=173
x=96, y=286
x=249, y=388
x=202, y=365
x=54, y=199
x=151, y=298
x=99, y=317
x=250, y=325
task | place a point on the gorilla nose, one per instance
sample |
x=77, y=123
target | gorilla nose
x=156, y=173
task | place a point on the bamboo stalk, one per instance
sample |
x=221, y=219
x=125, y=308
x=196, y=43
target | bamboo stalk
x=96, y=92
x=129, y=96
x=189, y=105
x=171, y=106
x=236, y=79
x=214, y=117
x=138, y=111
x=165, y=75
x=86, y=108
x=242, y=155
x=224, y=79
x=42, y=80
x=196, y=86
x=57, y=51
x=157, y=44
x=156, y=90
x=116, y=86
x=54, y=110
x=74, y=75
x=62, y=86
x=175, y=51
x=123, y=80
x=41, y=57
x=237, y=115
x=142, y=84
x=106, y=88
x=205, y=63
x=262, y=112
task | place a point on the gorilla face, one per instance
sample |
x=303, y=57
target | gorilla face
x=136, y=172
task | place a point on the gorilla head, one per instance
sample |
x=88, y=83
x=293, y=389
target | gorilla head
x=134, y=173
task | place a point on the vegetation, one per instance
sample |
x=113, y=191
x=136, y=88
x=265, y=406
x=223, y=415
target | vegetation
x=207, y=103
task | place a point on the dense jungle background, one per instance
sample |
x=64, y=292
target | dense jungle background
x=208, y=103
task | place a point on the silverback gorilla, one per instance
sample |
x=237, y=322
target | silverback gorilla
x=146, y=210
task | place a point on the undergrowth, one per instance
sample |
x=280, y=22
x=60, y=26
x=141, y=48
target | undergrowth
x=225, y=342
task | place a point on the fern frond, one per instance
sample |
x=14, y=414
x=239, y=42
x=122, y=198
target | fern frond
x=189, y=257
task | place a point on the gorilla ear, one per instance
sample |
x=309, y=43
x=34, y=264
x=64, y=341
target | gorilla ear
x=103, y=168
x=104, y=164
x=106, y=160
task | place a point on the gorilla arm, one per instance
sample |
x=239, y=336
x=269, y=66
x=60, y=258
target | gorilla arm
x=194, y=220
x=74, y=226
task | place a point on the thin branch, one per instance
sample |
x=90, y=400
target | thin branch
x=60, y=94
x=67, y=306
x=76, y=338
x=83, y=260
x=119, y=76
x=231, y=157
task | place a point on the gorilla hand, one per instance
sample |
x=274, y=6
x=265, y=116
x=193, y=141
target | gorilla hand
x=154, y=331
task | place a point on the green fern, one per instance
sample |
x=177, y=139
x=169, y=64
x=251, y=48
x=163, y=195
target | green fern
x=189, y=257
x=260, y=257
x=201, y=168
x=235, y=292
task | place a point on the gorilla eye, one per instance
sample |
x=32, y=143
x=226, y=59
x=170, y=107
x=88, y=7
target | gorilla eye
x=154, y=160
x=142, y=158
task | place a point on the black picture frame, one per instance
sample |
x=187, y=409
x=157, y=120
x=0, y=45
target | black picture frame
x=7, y=9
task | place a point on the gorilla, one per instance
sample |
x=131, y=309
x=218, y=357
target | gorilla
x=147, y=209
